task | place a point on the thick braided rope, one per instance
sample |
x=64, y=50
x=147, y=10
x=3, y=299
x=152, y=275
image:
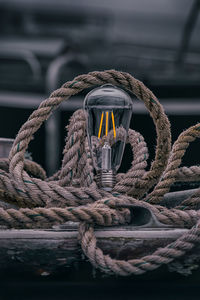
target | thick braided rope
x=47, y=189
x=40, y=217
x=192, y=202
x=188, y=174
x=135, y=266
x=171, y=251
x=140, y=155
x=77, y=167
x=73, y=189
x=138, y=165
x=83, y=170
x=172, y=169
x=73, y=148
x=31, y=167
x=113, y=209
x=139, y=162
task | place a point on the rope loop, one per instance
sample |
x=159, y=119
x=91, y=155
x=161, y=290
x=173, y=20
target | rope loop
x=30, y=200
x=139, y=266
x=124, y=80
x=172, y=170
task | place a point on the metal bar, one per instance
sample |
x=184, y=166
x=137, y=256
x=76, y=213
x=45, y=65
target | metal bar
x=172, y=106
x=52, y=126
x=175, y=198
x=187, y=32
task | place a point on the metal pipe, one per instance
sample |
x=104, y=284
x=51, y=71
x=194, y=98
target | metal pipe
x=187, y=32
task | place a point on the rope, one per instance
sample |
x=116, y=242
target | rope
x=30, y=200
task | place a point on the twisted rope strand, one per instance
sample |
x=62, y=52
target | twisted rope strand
x=135, y=266
x=72, y=194
x=36, y=119
x=171, y=171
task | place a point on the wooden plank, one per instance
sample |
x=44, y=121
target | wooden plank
x=109, y=232
x=49, y=251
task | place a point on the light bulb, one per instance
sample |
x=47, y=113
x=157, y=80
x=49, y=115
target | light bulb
x=109, y=111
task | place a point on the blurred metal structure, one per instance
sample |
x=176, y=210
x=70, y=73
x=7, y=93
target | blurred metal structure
x=25, y=56
x=73, y=65
x=53, y=41
x=5, y=147
x=187, y=31
x=27, y=65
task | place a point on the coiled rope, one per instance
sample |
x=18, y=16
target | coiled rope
x=72, y=194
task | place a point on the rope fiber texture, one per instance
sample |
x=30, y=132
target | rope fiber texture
x=31, y=200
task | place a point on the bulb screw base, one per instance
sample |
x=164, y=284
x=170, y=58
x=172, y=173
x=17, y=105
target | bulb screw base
x=106, y=179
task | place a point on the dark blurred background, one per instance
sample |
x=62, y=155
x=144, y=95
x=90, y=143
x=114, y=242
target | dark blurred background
x=46, y=43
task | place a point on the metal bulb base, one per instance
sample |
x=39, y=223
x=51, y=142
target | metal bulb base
x=106, y=179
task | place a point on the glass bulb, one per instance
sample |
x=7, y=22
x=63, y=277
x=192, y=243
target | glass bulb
x=109, y=111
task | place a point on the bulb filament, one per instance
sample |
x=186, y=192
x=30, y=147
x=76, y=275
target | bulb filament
x=106, y=123
x=100, y=126
x=106, y=129
x=113, y=122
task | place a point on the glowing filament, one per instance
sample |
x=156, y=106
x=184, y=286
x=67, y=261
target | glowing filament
x=106, y=123
x=113, y=122
x=100, y=126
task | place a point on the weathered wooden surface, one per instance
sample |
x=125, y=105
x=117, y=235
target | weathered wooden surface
x=45, y=251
